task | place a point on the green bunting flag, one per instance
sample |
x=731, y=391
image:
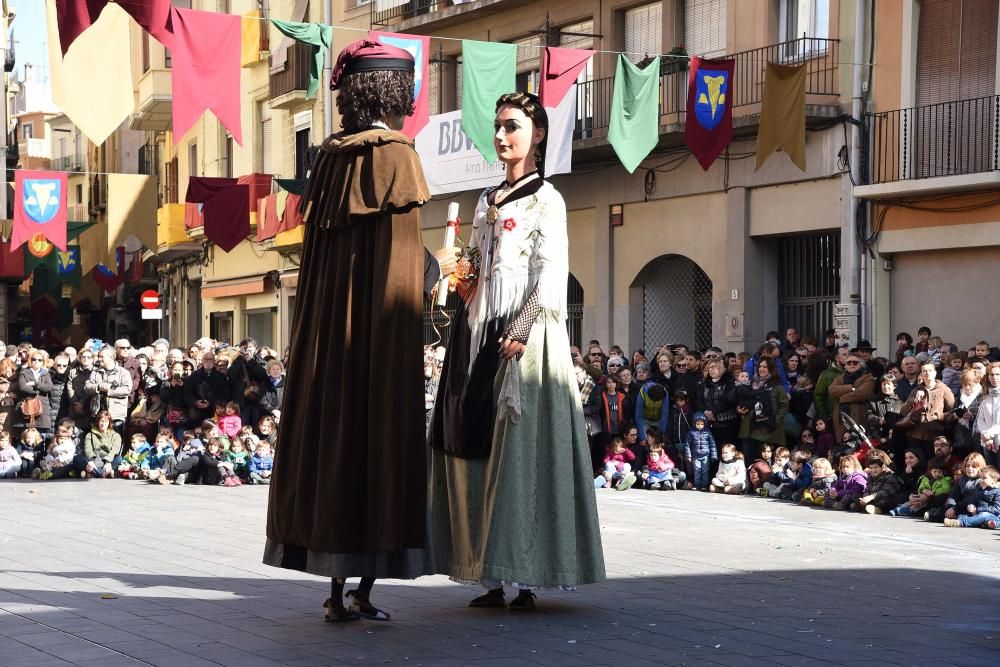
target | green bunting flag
x=635, y=112
x=318, y=36
x=489, y=69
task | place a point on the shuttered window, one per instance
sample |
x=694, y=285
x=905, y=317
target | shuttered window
x=265, y=138
x=705, y=27
x=529, y=63
x=956, y=50
x=434, y=86
x=577, y=35
x=171, y=194
x=644, y=31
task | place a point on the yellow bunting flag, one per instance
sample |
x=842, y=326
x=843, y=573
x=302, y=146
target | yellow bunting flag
x=94, y=249
x=92, y=83
x=783, y=114
x=250, y=51
x=131, y=209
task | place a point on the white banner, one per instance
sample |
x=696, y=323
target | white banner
x=452, y=163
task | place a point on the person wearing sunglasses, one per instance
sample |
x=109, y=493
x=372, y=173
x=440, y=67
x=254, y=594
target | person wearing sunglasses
x=34, y=380
x=58, y=397
x=851, y=392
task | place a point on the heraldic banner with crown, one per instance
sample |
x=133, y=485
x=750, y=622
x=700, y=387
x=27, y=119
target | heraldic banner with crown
x=709, y=126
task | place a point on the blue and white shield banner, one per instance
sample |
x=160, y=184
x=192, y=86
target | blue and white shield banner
x=40, y=207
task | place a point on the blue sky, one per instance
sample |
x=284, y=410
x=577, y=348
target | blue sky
x=29, y=33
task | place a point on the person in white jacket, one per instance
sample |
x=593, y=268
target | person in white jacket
x=988, y=421
x=732, y=474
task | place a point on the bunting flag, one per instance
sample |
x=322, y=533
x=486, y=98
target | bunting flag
x=783, y=114
x=206, y=69
x=68, y=265
x=489, y=69
x=250, y=39
x=11, y=262
x=226, y=207
x=97, y=67
x=107, y=279
x=39, y=207
x=709, y=126
x=39, y=252
x=131, y=209
x=267, y=218
x=557, y=92
x=419, y=46
x=94, y=248
x=635, y=112
x=316, y=35
x=76, y=16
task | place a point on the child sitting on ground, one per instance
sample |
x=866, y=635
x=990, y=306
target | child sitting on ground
x=850, y=485
x=660, y=472
x=261, y=464
x=617, y=467
x=134, y=459
x=759, y=471
x=10, y=460
x=31, y=448
x=823, y=480
x=986, y=511
x=935, y=483
x=700, y=452
x=885, y=488
x=732, y=474
x=60, y=454
x=964, y=490
x=800, y=472
x=779, y=472
x=238, y=455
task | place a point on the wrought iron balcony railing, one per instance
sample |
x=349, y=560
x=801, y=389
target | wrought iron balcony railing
x=384, y=12
x=820, y=56
x=946, y=139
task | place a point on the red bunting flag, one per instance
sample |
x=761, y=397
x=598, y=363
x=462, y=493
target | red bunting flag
x=108, y=280
x=709, y=126
x=557, y=91
x=11, y=263
x=419, y=47
x=39, y=207
x=206, y=69
x=75, y=16
x=226, y=208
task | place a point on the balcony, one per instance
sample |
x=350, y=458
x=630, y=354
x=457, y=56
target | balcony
x=154, y=101
x=933, y=149
x=288, y=86
x=405, y=15
x=171, y=236
x=820, y=56
x=69, y=163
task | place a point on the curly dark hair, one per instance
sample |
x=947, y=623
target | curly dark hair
x=366, y=97
x=533, y=109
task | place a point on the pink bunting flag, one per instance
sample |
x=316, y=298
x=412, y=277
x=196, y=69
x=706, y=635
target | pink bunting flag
x=206, y=66
x=560, y=69
x=39, y=207
x=419, y=47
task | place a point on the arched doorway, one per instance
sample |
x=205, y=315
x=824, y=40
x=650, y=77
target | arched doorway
x=675, y=298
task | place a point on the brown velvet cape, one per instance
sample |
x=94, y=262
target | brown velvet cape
x=348, y=496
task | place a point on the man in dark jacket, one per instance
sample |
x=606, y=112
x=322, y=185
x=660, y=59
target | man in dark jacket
x=206, y=386
x=59, y=398
x=246, y=376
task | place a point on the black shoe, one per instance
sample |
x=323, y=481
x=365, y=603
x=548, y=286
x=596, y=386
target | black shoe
x=365, y=608
x=338, y=614
x=525, y=601
x=493, y=598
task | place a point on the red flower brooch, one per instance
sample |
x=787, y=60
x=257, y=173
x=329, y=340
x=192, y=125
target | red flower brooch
x=508, y=224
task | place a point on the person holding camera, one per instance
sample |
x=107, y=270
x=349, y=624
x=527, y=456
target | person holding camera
x=247, y=376
x=109, y=388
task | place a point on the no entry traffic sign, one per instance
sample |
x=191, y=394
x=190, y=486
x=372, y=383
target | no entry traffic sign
x=150, y=299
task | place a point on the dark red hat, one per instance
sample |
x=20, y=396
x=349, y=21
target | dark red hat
x=364, y=55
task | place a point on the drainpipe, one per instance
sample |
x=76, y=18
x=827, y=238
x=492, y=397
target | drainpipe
x=851, y=266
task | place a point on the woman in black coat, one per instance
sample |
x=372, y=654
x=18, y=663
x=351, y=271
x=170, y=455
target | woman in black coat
x=717, y=396
x=58, y=403
x=34, y=380
x=272, y=391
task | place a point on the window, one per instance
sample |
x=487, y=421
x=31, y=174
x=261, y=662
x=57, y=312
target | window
x=644, y=31
x=220, y=326
x=803, y=18
x=171, y=193
x=704, y=27
x=229, y=155
x=580, y=36
x=259, y=325
x=264, y=159
x=27, y=131
x=301, y=148
x=434, y=86
x=79, y=193
x=956, y=50
x=529, y=63
x=145, y=51
x=193, y=158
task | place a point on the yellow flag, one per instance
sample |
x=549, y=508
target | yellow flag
x=92, y=84
x=94, y=249
x=250, y=53
x=783, y=114
x=131, y=209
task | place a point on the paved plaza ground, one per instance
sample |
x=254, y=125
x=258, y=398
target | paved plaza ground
x=109, y=573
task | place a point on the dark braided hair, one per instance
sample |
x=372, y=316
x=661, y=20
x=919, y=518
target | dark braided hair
x=366, y=97
x=532, y=107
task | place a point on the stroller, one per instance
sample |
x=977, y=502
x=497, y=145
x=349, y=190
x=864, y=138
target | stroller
x=856, y=442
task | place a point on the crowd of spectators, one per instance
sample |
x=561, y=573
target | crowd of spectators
x=205, y=414
x=912, y=433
